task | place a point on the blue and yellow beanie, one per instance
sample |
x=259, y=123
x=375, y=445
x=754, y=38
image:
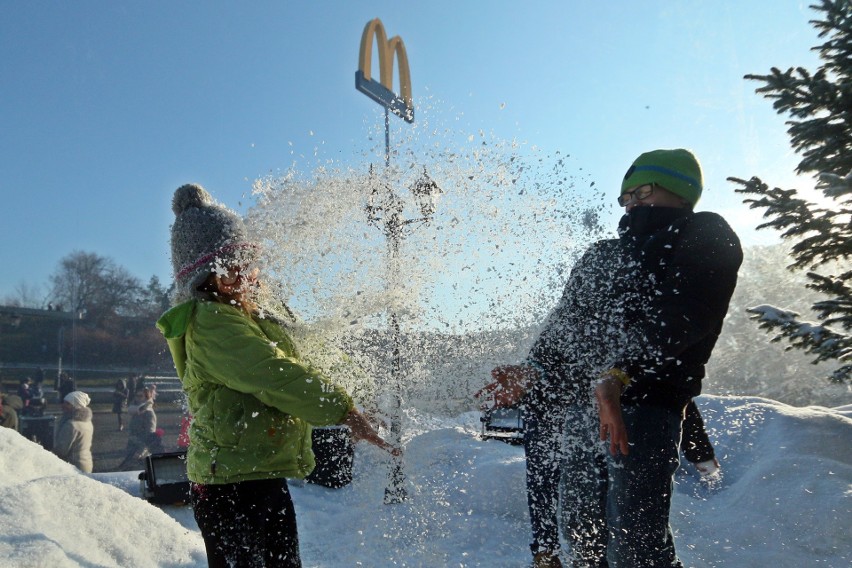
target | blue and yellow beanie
x=676, y=170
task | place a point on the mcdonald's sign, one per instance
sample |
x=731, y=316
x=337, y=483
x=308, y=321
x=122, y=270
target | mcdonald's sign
x=381, y=91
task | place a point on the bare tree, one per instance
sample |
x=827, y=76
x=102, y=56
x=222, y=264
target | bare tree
x=25, y=295
x=88, y=282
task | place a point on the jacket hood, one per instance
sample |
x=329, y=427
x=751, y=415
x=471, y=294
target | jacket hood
x=13, y=401
x=82, y=414
x=174, y=322
x=173, y=325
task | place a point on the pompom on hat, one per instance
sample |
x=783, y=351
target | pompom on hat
x=676, y=170
x=206, y=237
x=77, y=399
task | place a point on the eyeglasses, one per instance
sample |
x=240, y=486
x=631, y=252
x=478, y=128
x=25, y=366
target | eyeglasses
x=640, y=193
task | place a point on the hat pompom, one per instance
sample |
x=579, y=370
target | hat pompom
x=190, y=195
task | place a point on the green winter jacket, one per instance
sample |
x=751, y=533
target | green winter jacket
x=251, y=399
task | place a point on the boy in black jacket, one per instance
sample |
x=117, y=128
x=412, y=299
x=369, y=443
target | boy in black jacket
x=685, y=271
x=628, y=342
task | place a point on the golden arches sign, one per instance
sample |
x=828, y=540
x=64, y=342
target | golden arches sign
x=382, y=91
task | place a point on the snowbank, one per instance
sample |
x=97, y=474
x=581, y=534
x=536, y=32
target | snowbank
x=784, y=499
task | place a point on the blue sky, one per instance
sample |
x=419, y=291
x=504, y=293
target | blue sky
x=107, y=107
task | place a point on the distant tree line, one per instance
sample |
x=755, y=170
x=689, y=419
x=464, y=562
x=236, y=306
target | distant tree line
x=95, y=315
x=95, y=286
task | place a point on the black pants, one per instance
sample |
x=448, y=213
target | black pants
x=567, y=483
x=695, y=444
x=247, y=525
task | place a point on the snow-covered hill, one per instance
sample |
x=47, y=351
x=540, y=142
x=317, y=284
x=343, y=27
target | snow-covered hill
x=784, y=500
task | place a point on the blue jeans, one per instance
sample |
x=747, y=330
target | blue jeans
x=567, y=479
x=542, y=433
x=640, y=490
x=583, y=488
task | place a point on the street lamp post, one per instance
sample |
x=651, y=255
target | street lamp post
x=385, y=208
x=385, y=211
x=59, y=342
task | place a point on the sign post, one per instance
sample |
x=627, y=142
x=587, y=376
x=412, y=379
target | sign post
x=386, y=213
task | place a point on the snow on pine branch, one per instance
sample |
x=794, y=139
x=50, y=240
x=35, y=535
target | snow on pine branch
x=814, y=338
x=835, y=186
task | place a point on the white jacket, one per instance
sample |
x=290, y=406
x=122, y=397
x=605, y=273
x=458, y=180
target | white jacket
x=73, y=440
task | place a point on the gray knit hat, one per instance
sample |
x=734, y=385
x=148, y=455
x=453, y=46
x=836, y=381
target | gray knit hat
x=206, y=237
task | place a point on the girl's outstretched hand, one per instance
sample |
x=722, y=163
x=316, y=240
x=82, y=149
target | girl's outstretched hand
x=362, y=430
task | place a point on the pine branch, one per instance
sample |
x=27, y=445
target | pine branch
x=819, y=108
x=813, y=338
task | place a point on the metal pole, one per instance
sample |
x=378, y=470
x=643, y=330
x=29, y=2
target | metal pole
x=74, y=344
x=392, y=213
x=387, y=138
x=59, y=353
x=395, y=491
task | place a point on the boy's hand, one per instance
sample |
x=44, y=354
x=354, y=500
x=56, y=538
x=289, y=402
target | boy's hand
x=608, y=395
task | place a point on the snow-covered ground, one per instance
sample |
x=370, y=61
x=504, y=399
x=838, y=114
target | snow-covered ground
x=784, y=499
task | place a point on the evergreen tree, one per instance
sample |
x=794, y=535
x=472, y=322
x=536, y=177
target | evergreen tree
x=154, y=299
x=819, y=108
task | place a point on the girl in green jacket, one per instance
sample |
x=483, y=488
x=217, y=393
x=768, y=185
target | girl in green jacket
x=252, y=398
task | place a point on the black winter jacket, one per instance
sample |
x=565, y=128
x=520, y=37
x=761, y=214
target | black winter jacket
x=651, y=303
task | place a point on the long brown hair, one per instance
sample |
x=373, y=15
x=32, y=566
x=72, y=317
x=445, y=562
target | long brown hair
x=212, y=290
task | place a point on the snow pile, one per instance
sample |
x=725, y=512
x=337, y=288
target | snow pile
x=784, y=499
x=52, y=515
